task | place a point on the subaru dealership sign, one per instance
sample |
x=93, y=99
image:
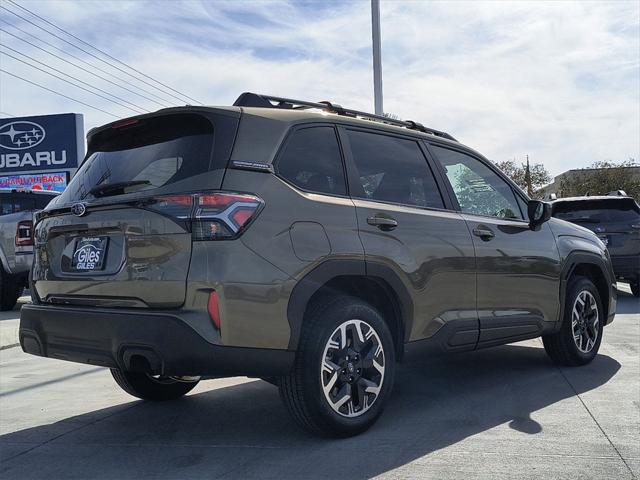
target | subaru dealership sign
x=47, y=147
x=54, y=181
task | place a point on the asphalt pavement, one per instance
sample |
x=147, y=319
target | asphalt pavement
x=505, y=412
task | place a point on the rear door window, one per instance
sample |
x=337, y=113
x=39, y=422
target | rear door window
x=392, y=169
x=311, y=160
x=150, y=154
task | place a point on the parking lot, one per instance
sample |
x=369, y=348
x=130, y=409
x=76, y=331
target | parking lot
x=505, y=412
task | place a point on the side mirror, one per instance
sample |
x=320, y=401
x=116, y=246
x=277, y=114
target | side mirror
x=539, y=212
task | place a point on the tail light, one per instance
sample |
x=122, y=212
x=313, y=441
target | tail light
x=24, y=233
x=211, y=216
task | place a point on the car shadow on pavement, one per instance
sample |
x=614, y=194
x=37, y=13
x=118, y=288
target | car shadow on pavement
x=627, y=303
x=15, y=312
x=243, y=431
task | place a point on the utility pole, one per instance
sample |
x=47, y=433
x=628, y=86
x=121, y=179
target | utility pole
x=377, y=56
x=527, y=178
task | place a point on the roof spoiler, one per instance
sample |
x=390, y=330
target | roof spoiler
x=248, y=99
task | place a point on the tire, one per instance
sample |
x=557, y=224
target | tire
x=635, y=288
x=582, y=297
x=146, y=387
x=10, y=290
x=315, y=391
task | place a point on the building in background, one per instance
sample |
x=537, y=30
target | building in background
x=586, y=176
x=40, y=152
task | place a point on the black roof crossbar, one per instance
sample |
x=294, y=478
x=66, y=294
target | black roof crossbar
x=248, y=99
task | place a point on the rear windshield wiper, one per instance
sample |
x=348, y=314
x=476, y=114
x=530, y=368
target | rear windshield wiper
x=115, y=188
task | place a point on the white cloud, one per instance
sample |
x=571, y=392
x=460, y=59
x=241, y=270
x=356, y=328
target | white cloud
x=558, y=81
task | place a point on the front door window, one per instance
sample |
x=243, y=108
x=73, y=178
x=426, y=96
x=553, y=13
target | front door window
x=479, y=190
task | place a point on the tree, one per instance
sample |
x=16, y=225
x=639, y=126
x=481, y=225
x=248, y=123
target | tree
x=528, y=177
x=601, y=178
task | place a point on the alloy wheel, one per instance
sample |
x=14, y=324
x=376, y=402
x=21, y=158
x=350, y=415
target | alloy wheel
x=352, y=369
x=585, y=321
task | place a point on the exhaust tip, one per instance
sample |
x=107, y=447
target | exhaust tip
x=142, y=361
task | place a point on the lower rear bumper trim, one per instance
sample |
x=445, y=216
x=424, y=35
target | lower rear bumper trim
x=158, y=342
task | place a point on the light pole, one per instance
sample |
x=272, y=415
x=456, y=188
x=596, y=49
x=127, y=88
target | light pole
x=377, y=57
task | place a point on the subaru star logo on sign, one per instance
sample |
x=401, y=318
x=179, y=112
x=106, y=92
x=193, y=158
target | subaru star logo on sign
x=36, y=145
x=21, y=135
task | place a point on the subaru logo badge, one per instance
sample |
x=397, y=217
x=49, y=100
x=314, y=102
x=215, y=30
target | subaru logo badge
x=21, y=135
x=78, y=209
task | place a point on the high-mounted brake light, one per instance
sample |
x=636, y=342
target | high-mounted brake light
x=24, y=233
x=125, y=123
x=212, y=216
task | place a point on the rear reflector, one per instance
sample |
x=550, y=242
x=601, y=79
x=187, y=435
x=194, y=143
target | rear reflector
x=214, y=309
x=24, y=233
x=241, y=216
x=212, y=216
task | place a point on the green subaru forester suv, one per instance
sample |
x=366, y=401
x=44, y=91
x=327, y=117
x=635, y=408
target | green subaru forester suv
x=306, y=244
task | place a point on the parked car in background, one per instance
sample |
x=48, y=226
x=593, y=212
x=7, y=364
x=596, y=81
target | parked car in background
x=615, y=218
x=306, y=244
x=16, y=240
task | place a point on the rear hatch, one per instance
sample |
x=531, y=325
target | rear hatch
x=120, y=235
x=616, y=221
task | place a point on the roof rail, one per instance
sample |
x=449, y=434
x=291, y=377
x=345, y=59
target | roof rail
x=248, y=99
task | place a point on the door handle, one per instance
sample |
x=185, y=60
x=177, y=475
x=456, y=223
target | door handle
x=483, y=232
x=383, y=223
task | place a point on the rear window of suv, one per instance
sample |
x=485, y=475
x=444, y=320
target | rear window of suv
x=144, y=155
x=15, y=202
x=597, y=211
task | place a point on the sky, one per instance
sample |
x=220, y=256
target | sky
x=558, y=81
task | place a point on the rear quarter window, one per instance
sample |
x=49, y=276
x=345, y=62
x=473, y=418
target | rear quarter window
x=311, y=160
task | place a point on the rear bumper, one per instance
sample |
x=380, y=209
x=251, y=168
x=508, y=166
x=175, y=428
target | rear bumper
x=20, y=265
x=155, y=342
x=24, y=259
x=626, y=266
